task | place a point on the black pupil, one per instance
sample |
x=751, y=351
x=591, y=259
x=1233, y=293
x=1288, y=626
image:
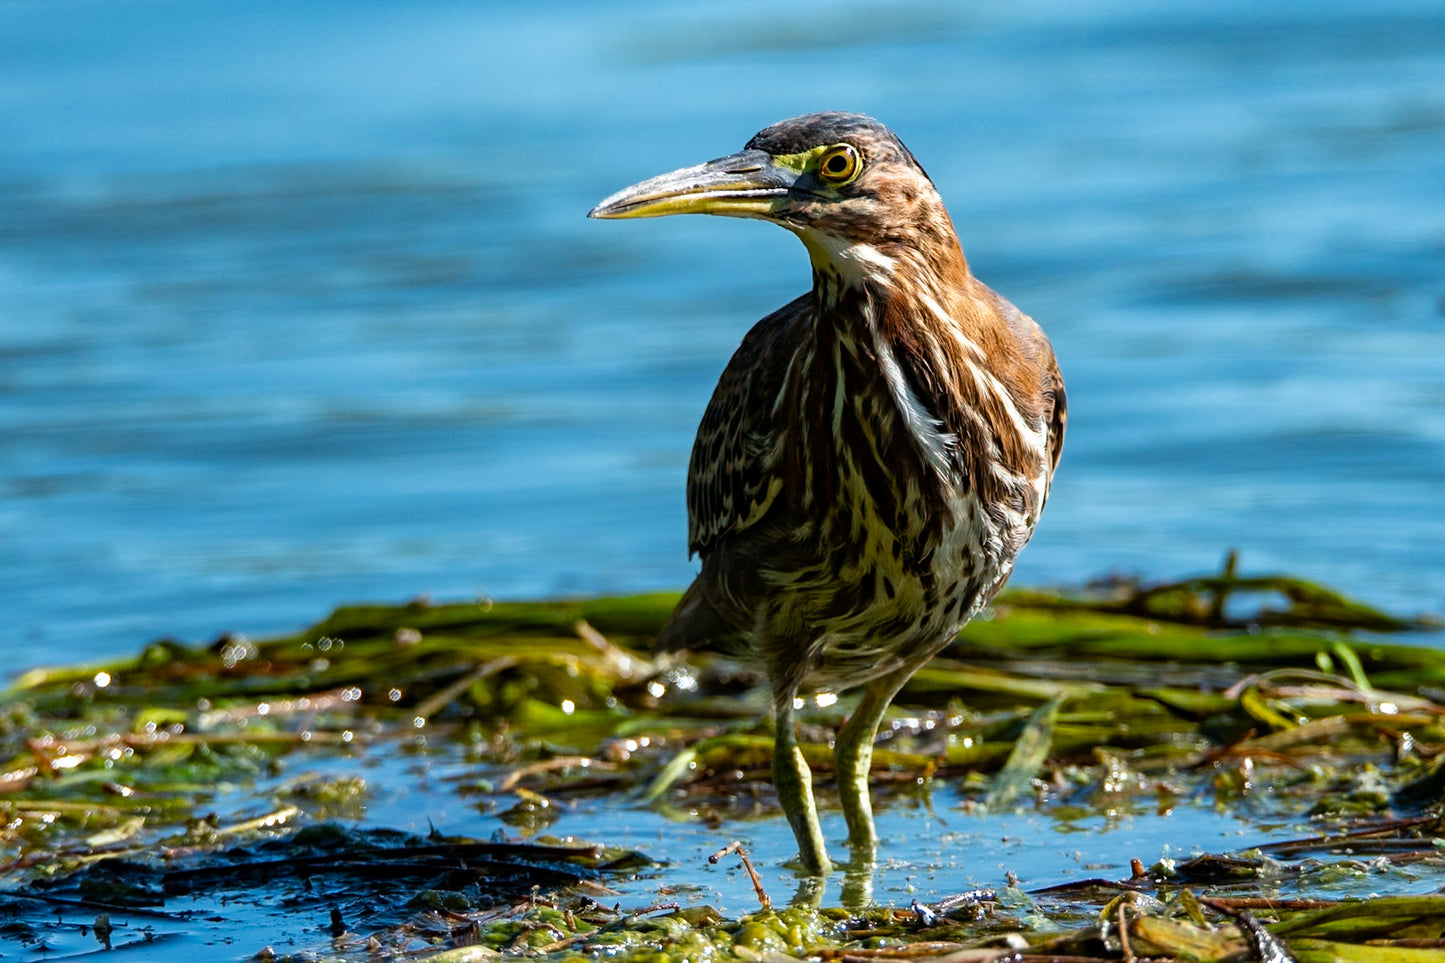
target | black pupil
x=837, y=164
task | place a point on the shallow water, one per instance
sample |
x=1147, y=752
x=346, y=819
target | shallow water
x=931, y=848
x=298, y=304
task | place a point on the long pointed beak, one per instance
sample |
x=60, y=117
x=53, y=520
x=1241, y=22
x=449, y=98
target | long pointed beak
x=747, y=184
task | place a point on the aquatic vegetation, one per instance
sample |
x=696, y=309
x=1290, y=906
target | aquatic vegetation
x=141, y=798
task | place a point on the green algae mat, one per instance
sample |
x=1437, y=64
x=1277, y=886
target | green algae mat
x=1223, y=768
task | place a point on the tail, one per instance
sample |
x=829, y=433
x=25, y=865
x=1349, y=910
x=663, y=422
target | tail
x=694, y=624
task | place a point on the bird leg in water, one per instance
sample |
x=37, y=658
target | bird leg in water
x=853, y=757
x=794, y=784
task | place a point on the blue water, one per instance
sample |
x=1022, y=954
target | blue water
x=298, y=304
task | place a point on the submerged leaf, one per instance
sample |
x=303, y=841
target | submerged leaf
x=1030, y=752
x=675, y=771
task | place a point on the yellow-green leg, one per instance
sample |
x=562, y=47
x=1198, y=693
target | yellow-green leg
x=793, y=781
x=853, y=757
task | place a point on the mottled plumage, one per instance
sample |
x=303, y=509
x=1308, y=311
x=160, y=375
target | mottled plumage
x=876, y=453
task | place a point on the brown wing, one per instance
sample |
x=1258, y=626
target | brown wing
x=1060, y=419
x=731, y=479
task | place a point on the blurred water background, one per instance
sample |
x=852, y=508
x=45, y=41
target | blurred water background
x=298, y=304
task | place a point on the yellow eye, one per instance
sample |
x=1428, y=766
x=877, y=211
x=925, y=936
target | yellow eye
x=840, y=164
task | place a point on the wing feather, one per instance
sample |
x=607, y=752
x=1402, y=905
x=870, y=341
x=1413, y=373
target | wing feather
x=733, y=477
x=1060, y=419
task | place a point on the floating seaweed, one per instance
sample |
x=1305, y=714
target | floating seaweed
x=143, y=800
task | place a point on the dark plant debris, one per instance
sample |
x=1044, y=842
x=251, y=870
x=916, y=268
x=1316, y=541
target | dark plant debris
x=139, y=798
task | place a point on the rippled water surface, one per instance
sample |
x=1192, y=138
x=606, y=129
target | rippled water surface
x=298, y=304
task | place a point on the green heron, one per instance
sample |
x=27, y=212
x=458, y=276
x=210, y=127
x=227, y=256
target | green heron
x=876, y=452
